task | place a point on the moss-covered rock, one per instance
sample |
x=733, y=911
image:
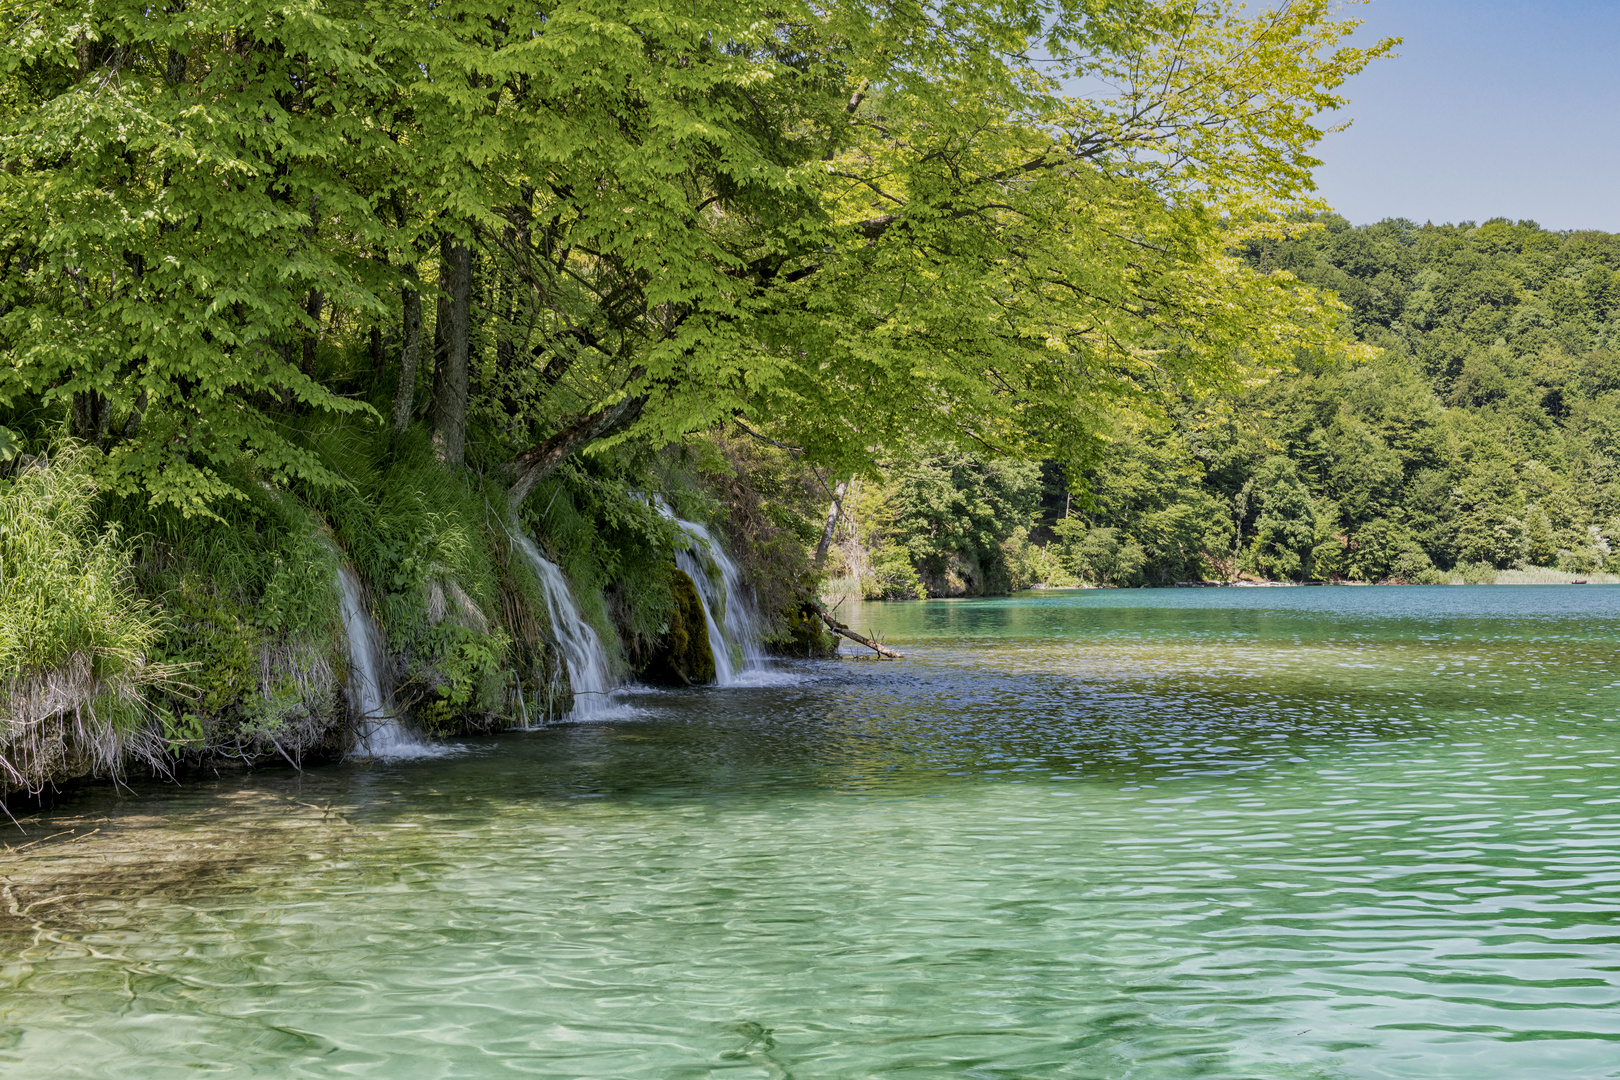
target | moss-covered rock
x=807, y=636
x=683, y=656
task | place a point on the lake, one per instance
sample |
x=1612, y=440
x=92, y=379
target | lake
x=1222, y=833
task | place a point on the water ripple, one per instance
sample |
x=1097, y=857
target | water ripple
x=1215, y=834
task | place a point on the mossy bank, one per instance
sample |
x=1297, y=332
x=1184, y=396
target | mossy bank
x=139, y=639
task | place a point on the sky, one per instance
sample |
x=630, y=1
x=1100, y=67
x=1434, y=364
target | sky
x=1493, y=108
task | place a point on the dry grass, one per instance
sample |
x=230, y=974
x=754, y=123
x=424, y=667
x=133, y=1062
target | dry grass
x=1542, y=575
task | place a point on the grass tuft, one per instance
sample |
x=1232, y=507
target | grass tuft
x=75, y=635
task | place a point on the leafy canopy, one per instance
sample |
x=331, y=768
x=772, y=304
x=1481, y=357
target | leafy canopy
x=988, y=221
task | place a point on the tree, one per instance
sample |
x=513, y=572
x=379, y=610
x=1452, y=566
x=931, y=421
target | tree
x=954, y=510
x=649, y=219
x=1285, y=531
x=1101, y=556
x=165, y=181
x=1004, y=263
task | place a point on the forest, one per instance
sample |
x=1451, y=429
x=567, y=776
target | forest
x=306, y=305
x=1477, y=436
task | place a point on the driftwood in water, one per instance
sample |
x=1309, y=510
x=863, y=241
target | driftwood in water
x=844, y=631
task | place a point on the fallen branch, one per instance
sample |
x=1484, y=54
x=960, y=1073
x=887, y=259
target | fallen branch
x=844, y=631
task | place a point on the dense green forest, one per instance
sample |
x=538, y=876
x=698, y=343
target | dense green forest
x=303, y=304
x=1482, y=436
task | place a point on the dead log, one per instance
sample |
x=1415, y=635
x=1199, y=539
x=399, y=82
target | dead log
x=844, y=631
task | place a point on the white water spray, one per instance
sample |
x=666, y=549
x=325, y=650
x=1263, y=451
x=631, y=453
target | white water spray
x=383, y=733
x=735, y=636
x=589, y=673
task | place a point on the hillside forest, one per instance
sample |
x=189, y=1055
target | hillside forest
x=1479, y=435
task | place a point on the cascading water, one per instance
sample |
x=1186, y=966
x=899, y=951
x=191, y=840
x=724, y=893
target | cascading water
x=383, y=734
x=735, y=636
x=589, y=673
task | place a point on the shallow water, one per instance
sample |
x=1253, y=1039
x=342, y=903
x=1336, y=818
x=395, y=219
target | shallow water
x=1195, y=833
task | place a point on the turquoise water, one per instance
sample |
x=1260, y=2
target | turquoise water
x=1263, y=833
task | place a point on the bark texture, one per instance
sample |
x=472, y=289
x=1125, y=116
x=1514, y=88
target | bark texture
x=410, y=353
x=843, y=630
x=833, y=512
x=450, y=385
x=539, y=462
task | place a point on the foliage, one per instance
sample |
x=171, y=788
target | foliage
x=874, y=551
x=1285, y=528
x=76, y=639
x=771, y=506
x=1098, y=556
x=1479, y=436
x=65, y=583
x=165, y=179
x=954, y=511
x=1005, y=263
x=247, y=586
x=231, y=235
x=1482, y=435
x=852, y=230
x=613, y=545
x=425, y=543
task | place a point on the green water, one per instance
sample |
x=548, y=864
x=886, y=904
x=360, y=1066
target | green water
x=1258, y=833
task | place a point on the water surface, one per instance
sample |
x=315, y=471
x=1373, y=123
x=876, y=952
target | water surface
x=1262, y=833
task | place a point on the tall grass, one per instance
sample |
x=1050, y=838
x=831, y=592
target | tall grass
x=65, y=587
x=261, y=555
x=75, y=636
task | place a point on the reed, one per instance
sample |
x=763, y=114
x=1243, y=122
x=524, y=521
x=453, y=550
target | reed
x=1546, y=575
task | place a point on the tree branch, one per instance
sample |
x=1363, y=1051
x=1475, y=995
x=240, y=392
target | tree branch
x=843, y=631
x=538, y=462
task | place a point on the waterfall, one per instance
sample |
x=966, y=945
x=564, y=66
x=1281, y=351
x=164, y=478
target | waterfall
x=589, y=673
x=735, y=636
x=382, y=733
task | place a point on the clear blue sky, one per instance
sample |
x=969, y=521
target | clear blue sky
x=1493, y=108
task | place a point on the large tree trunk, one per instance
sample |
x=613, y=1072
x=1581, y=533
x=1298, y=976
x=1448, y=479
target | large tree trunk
x=450, y=370
x=132, y=424
x=539, y=462
x=410, y=352
x=92, y=413
x=314, y=301
x=175, y=73
x=312, y=308
x=833, y=511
